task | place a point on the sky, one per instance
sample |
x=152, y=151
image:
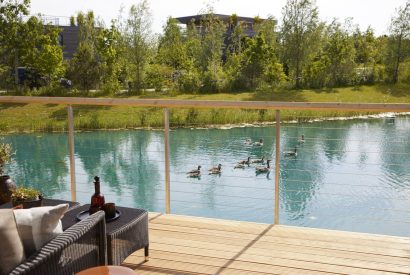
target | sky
x=376, y=13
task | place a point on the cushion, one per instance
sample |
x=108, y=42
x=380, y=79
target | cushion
x=38, y=225
x=12, y=251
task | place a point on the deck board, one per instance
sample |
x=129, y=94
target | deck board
x=191, y=245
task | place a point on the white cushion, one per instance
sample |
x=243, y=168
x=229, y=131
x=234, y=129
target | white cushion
x=11, y=248
x=38, y=225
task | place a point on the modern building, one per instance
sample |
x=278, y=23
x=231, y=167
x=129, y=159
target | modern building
x=68, y=37
x=247, y=22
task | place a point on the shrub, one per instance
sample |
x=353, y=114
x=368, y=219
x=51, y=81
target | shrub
x=158, y=77
x=213, y=81
x=189, y=81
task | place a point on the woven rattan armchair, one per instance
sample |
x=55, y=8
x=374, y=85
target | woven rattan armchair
x=81, y=246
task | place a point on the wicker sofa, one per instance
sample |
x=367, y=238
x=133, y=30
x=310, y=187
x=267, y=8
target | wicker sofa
x=81, y=246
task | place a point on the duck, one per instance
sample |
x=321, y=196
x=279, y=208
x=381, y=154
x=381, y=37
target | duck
x=262, y=160
x=215, y=170
x=195, y=172
x=263, y=169
x=245, y=161
x=258, y=143
x=248, y=141
x=302, y=139
x=293, y=153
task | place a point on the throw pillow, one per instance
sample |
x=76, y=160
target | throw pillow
x=38, y=225
x=12, y=251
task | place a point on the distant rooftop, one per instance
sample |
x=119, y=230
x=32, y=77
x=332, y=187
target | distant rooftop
x=51, y=19
x=223, y=17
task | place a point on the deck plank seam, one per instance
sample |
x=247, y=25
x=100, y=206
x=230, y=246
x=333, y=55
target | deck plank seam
x=261, y=272
x=299, y=260
x=317, y=246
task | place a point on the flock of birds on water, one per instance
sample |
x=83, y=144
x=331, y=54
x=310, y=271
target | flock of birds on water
x=242, y=164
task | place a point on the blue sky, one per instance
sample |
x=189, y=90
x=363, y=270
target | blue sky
x=376, y=13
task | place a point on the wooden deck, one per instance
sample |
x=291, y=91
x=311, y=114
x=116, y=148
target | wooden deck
x=191, y=245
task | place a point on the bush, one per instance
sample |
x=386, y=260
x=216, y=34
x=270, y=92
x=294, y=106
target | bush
x=111, y=87
x=213, y=82
x=189, y=81
x=158, y=77
x=404, y=72
x=52, y=90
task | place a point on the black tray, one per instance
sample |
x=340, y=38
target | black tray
x=84, y=214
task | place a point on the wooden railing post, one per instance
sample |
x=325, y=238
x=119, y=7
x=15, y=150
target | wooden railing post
x=277, y=162
x=71, y=152
x=167, y=175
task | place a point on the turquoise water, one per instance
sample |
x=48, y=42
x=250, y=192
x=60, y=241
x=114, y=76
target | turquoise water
x=348, y=175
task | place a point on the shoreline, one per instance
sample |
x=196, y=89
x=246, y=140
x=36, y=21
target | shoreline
x=227, y=126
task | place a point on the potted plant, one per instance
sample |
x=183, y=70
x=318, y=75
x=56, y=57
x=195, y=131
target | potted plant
x=7, y=186
x=28, y=197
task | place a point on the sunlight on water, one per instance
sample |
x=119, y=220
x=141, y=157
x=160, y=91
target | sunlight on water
x=348, y=175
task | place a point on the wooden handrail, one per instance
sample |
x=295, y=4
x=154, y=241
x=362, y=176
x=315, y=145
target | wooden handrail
x=173, y=103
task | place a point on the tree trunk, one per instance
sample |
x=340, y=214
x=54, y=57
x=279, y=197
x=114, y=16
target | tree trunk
x=397, y=61
x=138, y=79
x=16, y=76
x=297, y=73
x=298, y=64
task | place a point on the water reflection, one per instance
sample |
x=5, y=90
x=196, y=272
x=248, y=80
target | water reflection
x=40, y=161
x=349, y=175
x=129, y=163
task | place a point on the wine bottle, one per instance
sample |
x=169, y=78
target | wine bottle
x=97, y=199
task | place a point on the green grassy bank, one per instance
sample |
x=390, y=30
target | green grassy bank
x=39, y=117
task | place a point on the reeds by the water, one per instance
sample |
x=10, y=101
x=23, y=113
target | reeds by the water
x=47, y=118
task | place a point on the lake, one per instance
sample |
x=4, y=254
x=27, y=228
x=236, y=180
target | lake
x=348, y=174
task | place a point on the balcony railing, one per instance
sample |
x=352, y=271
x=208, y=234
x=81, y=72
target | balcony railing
x=170, y=104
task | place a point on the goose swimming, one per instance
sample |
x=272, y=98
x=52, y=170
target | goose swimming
x=195, y=172
x=258, y=143
x=245, y=161
x=293, y=153
x=263, y=169
x=215, y=170
x=262, y=160
x=239, y=166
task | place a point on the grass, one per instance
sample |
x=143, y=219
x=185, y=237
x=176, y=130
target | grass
x=48, y=117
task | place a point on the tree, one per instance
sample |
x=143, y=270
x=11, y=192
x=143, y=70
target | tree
x=236, y=36
x=299, y=26
x=368, y=53
x=171, y=48
x=190, y=79
x=210, y=56
x=234, y=54
x=193, y=44
x=399, y=32
x=260, y=64
x=138, y=40
x=366, y=46
x=334, y=64
x=109, y=50
x=12, y=35
x=268, y=28
x=340, y=52
x=41, y=51
x=85, y=67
